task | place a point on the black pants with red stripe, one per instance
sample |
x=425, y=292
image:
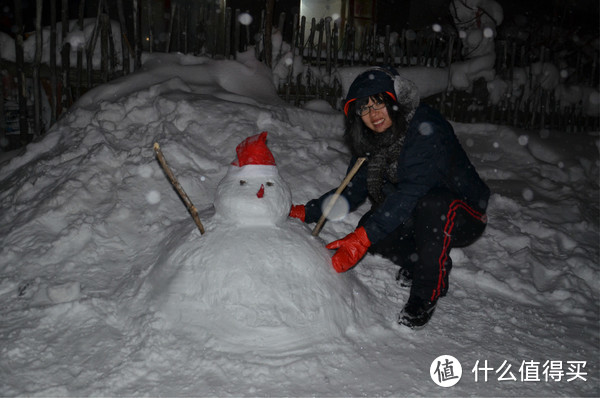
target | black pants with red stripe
x=422, y=245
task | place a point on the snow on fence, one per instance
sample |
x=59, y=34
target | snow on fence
x=526, y=89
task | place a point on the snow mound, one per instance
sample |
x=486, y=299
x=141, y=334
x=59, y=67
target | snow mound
x=252, y=295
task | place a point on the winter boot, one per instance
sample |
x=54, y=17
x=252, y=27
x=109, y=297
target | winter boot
x=404, y=277
x=417, y=312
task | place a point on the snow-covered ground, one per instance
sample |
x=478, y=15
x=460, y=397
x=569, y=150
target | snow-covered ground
x=93, y=238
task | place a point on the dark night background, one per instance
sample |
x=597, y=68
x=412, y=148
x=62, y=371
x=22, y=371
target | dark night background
x=399, y=14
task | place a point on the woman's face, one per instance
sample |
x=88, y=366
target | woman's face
x=378, y=120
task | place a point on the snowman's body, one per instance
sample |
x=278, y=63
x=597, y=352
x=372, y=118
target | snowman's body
x=257, y=277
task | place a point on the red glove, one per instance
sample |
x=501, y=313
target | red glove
x=351, y=249
x=299, y=212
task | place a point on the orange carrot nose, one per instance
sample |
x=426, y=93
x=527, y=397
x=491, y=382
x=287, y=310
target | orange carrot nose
x=261, y=191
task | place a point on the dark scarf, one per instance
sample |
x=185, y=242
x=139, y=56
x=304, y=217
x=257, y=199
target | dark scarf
x=383, y=162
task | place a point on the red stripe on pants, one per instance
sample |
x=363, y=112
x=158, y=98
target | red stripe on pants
x=454, y=206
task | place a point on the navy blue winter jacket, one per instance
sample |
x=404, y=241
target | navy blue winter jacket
x=431, y=157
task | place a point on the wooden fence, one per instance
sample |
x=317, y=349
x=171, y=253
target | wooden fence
x=323, y=46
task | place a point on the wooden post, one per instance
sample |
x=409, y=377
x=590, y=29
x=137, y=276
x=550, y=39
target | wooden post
x=328, y=45
x=53, y=70
x=228, y=33
x=65, y=57
x=352, y=44
x=345, y=44
x=386, y=46
x=37, y=97
x=295, y=34
x=375, y=46
x=150, y=27
x=80, y=51
x=21, y=82
x=179, y=28
x=125, y=53
x=170, y=31
x=281, y=27
x=137, y=36
x=236, y=33
x=91, y=47
x=268, y=44
x=311, y=39
x=104, y=21
x=335, y=37
x=301, y=36
x=319, y=43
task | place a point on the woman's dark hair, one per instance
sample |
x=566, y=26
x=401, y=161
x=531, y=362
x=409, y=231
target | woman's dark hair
x=363, y=140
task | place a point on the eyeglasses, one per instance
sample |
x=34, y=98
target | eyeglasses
x=366, y=109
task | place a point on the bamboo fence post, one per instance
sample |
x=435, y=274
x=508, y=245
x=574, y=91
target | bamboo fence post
x=53, y=83
x=37, y=98
x=91, y=46
x=363, y=46
x=188, y=203
x=137, y=34
x=178, y=28
x=290, y=75
x=104, y=21
x=375, y=44
x=352, y=44
x=21, y=82
x=112, y=53
x=236, y=33
x=215, y=31
x=319, y=43
x=336, y=195
x=80, y=51
x=281, y=27
x=327, y=28
x=311, y=39
x=261, y=29
x=301, y=36
x=124, y=40
x=170, y=30
x=150, y=27
x=295, y=21
x=335, y=37
x=386, y=45
x=65, y=53
x=2, y=111
x=345, y=43
x=268, y=43
x=227, y=39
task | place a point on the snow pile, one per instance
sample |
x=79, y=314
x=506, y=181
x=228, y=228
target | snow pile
x=97, y=251
x=77, y=39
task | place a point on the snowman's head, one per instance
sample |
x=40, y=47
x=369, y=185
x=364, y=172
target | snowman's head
x=252, y=192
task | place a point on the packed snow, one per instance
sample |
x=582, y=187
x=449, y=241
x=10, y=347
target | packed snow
x=108, y=287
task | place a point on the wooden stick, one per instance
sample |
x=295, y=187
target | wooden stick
x=336, y=195
x=180, y=191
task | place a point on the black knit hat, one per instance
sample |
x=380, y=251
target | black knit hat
x=371, y=82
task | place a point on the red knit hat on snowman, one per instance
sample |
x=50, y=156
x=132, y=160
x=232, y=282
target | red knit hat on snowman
x=254, y=159
x=254, y=151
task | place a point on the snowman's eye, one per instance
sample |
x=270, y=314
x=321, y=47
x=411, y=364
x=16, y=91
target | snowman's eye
x=270, y=184
x=242, y=182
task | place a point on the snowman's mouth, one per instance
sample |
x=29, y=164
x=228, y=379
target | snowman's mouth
x=261, y=191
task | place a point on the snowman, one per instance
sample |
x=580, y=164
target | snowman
x=257, y=278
